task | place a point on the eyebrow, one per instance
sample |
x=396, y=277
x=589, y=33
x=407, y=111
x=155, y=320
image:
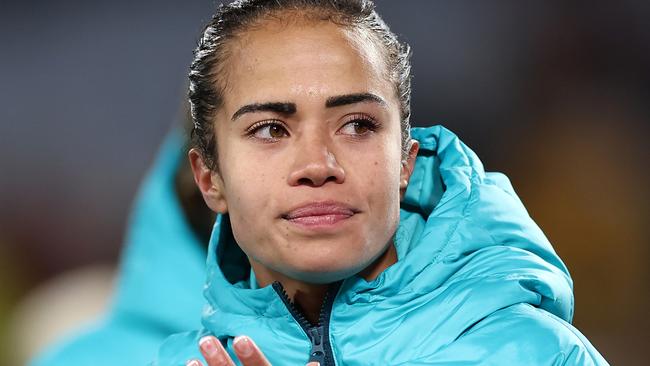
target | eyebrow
x=289, y=108
x=341, y=100
x=277, y=107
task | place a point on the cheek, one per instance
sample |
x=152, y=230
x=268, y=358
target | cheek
x=380, y=177
x=253, y=187
x=243, y=193
x=246, y=206
x=385, y=167
x=250, y=190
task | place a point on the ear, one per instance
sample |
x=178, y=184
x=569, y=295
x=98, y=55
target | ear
x=209, y=182
x=408, y=165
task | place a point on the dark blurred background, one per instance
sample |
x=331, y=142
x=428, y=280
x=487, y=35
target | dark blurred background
x=552, y=93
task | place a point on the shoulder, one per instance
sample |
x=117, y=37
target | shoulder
x=524, y=334
x=517, y=335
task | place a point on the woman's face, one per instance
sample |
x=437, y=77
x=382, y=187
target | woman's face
x=309, y=151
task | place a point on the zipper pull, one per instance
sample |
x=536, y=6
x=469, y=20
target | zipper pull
x=317, y=353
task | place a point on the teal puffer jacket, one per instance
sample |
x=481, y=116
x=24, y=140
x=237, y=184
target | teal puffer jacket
x=160, y=280
x=476, y=282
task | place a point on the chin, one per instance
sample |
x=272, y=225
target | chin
x=321, y=277
x=320, y=273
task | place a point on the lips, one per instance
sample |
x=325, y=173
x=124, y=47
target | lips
x=320, y=214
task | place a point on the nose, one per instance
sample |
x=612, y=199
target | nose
x=315, y=164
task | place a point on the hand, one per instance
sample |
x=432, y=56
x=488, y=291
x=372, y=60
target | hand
x=245, y=349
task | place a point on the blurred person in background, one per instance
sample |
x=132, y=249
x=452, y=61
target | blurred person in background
x=160, y=277
x=343, y=236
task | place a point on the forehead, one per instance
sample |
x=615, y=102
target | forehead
x=297, y=59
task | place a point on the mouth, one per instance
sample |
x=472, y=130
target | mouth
x=315, y=215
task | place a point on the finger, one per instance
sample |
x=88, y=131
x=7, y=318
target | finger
x=193, y=363
x=248, y=352
x=214, y=353
x=313, y=364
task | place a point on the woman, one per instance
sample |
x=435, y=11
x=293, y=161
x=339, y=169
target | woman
x=343, y=237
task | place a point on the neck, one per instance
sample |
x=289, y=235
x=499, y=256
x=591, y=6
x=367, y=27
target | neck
x=309, y=296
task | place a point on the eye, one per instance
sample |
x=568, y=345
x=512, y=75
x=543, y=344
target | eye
x=359, y=125
x=267, y=130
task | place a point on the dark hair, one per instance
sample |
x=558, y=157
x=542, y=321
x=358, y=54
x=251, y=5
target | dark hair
x=230, y=20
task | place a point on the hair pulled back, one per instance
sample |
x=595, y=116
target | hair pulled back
x=207, y=71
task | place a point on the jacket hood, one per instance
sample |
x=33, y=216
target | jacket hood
x=466, y=248
x=163, y=263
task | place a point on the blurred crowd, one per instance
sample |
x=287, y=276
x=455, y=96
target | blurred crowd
x=554, y=94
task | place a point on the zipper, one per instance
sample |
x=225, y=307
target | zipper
x=318, y=334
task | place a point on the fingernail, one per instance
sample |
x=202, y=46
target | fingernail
x=208, y=346
x=243, y=346
x=193, y=363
